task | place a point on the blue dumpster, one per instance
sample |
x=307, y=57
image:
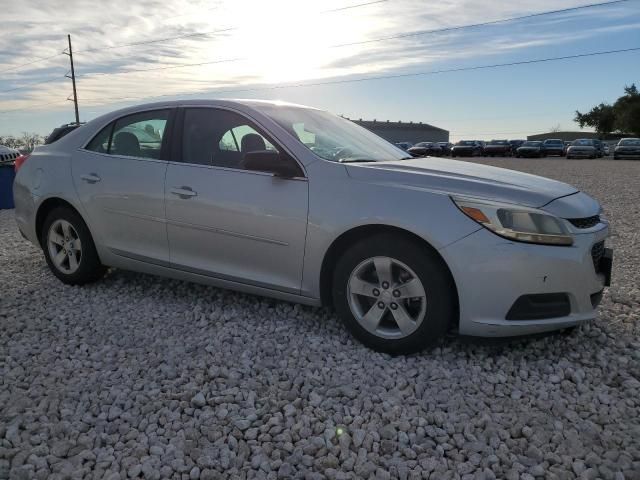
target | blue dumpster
x=7, y=174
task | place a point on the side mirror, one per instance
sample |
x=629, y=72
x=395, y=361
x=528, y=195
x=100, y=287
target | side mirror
x=270, y=161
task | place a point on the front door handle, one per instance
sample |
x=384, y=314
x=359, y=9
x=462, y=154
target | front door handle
x=90, y=177
x=184, y=192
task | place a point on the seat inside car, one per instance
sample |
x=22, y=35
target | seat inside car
x=126, y=143
x=252, y=142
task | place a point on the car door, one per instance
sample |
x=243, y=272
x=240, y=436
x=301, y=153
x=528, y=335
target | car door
x=228, y=222
x=119, y=177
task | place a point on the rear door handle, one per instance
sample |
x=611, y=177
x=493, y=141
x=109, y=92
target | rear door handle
x=90, y=177
x=184, y=192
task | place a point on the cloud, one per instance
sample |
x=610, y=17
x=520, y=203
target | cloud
x=276, y=42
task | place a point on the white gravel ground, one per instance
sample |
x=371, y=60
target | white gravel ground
x=138, y=376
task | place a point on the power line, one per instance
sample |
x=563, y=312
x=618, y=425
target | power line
x=40, y=59
x=435, y=72
x=20, y=87
x=157, y=40
x=460, y=27
x=392, y=76
x=212, y=32
x=339, y=9
x=404, y=35
x=166, y=67
x=29, y=107
x=482, y=24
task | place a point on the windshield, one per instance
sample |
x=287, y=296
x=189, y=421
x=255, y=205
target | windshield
x=498, y=142
x=531, y=144
x=583, y=142
x=466, y=143
x=331, y=137
x=553, y=142
x=423, y=144
x=630, y=141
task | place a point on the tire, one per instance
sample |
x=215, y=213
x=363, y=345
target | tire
x=430, y=311
x=86, y=268
x=616, y=158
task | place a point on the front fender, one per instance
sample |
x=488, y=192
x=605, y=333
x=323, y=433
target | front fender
x=338, y=204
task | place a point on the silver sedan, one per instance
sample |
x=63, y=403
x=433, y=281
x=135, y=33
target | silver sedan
x=292, y=202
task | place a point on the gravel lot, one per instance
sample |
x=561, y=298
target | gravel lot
x=138, y=376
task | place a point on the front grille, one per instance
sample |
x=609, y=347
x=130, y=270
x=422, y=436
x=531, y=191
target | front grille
x=586, y=222
x=597, y=251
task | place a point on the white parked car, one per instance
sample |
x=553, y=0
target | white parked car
x=295, y=203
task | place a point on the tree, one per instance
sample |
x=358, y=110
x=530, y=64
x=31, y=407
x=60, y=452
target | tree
x=556, y=128
x=627, y=111
x=601, y=117
x=26, y=142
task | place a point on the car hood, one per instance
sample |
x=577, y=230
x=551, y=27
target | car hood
x=463, y=178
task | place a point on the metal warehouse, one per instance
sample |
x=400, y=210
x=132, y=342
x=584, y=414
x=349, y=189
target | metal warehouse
x=405, y=132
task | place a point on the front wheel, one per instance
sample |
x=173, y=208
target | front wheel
x=69, y=249
x=394, y=295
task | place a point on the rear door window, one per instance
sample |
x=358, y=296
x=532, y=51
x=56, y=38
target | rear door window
x=139, y=135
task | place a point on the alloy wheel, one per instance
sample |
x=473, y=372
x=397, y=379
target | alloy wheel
x=386, y=297
x=65, y=247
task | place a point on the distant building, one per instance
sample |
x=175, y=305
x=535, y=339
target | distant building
x=405, y=132
x=570, y=136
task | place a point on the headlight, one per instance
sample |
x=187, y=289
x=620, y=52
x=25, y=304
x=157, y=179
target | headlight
x=518, y=223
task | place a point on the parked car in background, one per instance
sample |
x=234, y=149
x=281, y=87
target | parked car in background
x=404, y=249
x=446, y=148
x=404, y=145
x=466, y=148
x=515, y=144
x=606, y=149
x=61, y=131
x=599, y=144
x=553, y=146
x=531, y=148
x=497, y=147
x=583, y=148
x=627, y=148
x=567, y=143
x=8, y=155
x=425, y=149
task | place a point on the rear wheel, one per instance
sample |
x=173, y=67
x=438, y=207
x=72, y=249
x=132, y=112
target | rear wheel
x=69, y=249
x=393, y=294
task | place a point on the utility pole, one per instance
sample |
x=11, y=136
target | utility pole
x=73, y=80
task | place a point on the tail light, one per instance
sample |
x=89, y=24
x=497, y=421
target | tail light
x=19, y=162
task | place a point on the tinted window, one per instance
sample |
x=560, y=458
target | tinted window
x=139, y=135
x=100, y=142
x=219, y=138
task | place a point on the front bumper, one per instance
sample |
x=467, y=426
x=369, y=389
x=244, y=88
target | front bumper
x=555, y=151
x=582, y=153
x=467, y=152
x=626, y=154
x=529, y=153
x=492, y=273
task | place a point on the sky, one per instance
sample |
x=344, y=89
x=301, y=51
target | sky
x=275, y=49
